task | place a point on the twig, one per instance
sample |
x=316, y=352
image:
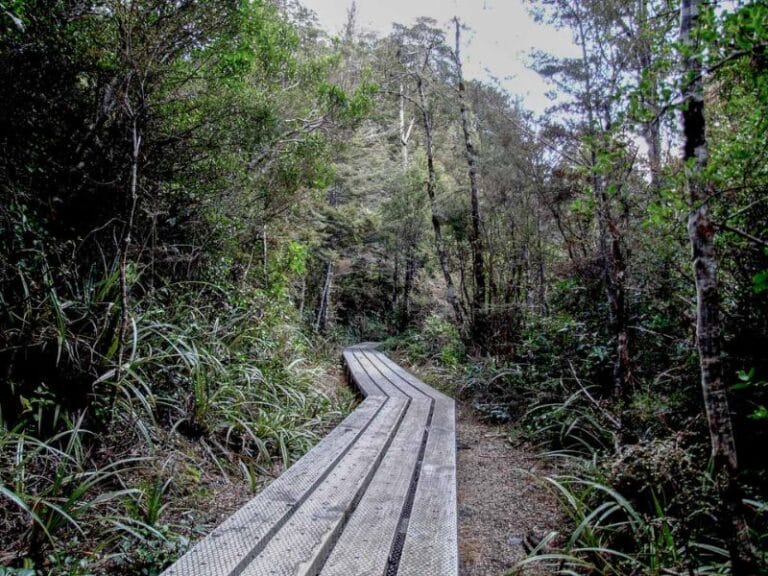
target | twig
x=608, y=416
x=743, y=234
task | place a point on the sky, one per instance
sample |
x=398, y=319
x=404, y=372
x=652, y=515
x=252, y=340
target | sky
x=501, y=35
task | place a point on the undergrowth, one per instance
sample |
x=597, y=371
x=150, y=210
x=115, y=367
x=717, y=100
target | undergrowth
x=636, y=502
x=218, y=393
x=636, y=485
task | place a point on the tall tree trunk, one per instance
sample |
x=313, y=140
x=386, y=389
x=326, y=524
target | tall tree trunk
x=701, y=232
x=410, y=273
x=403, y=309
x=323, y=309
x=614, y=270
x=321, y=321
x=442, y=255
x=612, y=252
x=479, y=317
x=651, y=129
x=125, y=246
x=541, y=291
x=264, y=254
x=405, y=133
x=396, y=278
x=303, y=296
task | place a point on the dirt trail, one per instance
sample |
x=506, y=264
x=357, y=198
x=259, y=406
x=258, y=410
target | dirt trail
x=501, y=506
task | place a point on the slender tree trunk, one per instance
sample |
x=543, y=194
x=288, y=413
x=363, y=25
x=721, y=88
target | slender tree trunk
x=651, y=128
x=403, y=309
x=612, y=253
x=541, y=291
x=323, y=310
x=479, y=316
x=701, y=232
x=410, y=272
x=125, y=245
x=615, y=269
x=302, y=296
x=405, y=133
x=442, y=255
x=321, y=321
x=264, y=255
x=396, y=278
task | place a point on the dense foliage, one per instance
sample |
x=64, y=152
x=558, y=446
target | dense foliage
x=200, y=200
x=152, y=158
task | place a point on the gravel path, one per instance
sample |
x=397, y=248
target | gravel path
x=501, y=506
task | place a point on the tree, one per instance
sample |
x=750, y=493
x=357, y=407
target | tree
x=420, y=48
x=479, y=327
x=701, y=231
x=596, y=80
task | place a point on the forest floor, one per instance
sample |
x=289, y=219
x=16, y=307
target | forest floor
x=503, y=504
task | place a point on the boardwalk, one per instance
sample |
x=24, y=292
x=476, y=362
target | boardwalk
x=377, y=496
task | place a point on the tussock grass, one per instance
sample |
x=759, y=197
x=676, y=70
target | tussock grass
x=210, y=395
x=646, y=509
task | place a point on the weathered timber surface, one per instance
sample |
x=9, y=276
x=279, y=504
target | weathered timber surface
x=377, y=496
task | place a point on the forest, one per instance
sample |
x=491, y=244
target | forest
x=202, y=203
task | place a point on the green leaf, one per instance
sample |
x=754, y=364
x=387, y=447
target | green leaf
x=760, y=414
x=760, y=282
x=746, y=376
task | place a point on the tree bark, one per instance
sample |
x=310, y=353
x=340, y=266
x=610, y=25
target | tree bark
x=321, y=322
x=479, y=316
x=264, y=255
x=403, y=307
x=701, y=232
x=410, y=273
x=651, y=129
x=442, y=255
x=396, y=279
x=405, y=133
x=125, y=245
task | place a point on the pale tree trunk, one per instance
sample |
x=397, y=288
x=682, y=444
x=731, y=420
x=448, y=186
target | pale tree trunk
x=265, y=256
x=321, y=322
x=396, y=278
x=125, y=246
x=701, y=232
x=323, y=310
x=651, y=129
x=410, y=273
x=479, y=319
x=302, y=296
x=405, y=133
x=442, y=255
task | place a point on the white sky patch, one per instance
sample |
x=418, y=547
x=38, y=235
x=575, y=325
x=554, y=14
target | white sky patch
x=501, y=35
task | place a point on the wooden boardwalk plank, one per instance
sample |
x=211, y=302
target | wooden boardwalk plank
x=237, y=539
x=366, y=386
x=366, y=376
x=366, y=545
x=402, y=379
x=303, y=543
x=431, y=543
x=376, y=497
x=410, y=378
